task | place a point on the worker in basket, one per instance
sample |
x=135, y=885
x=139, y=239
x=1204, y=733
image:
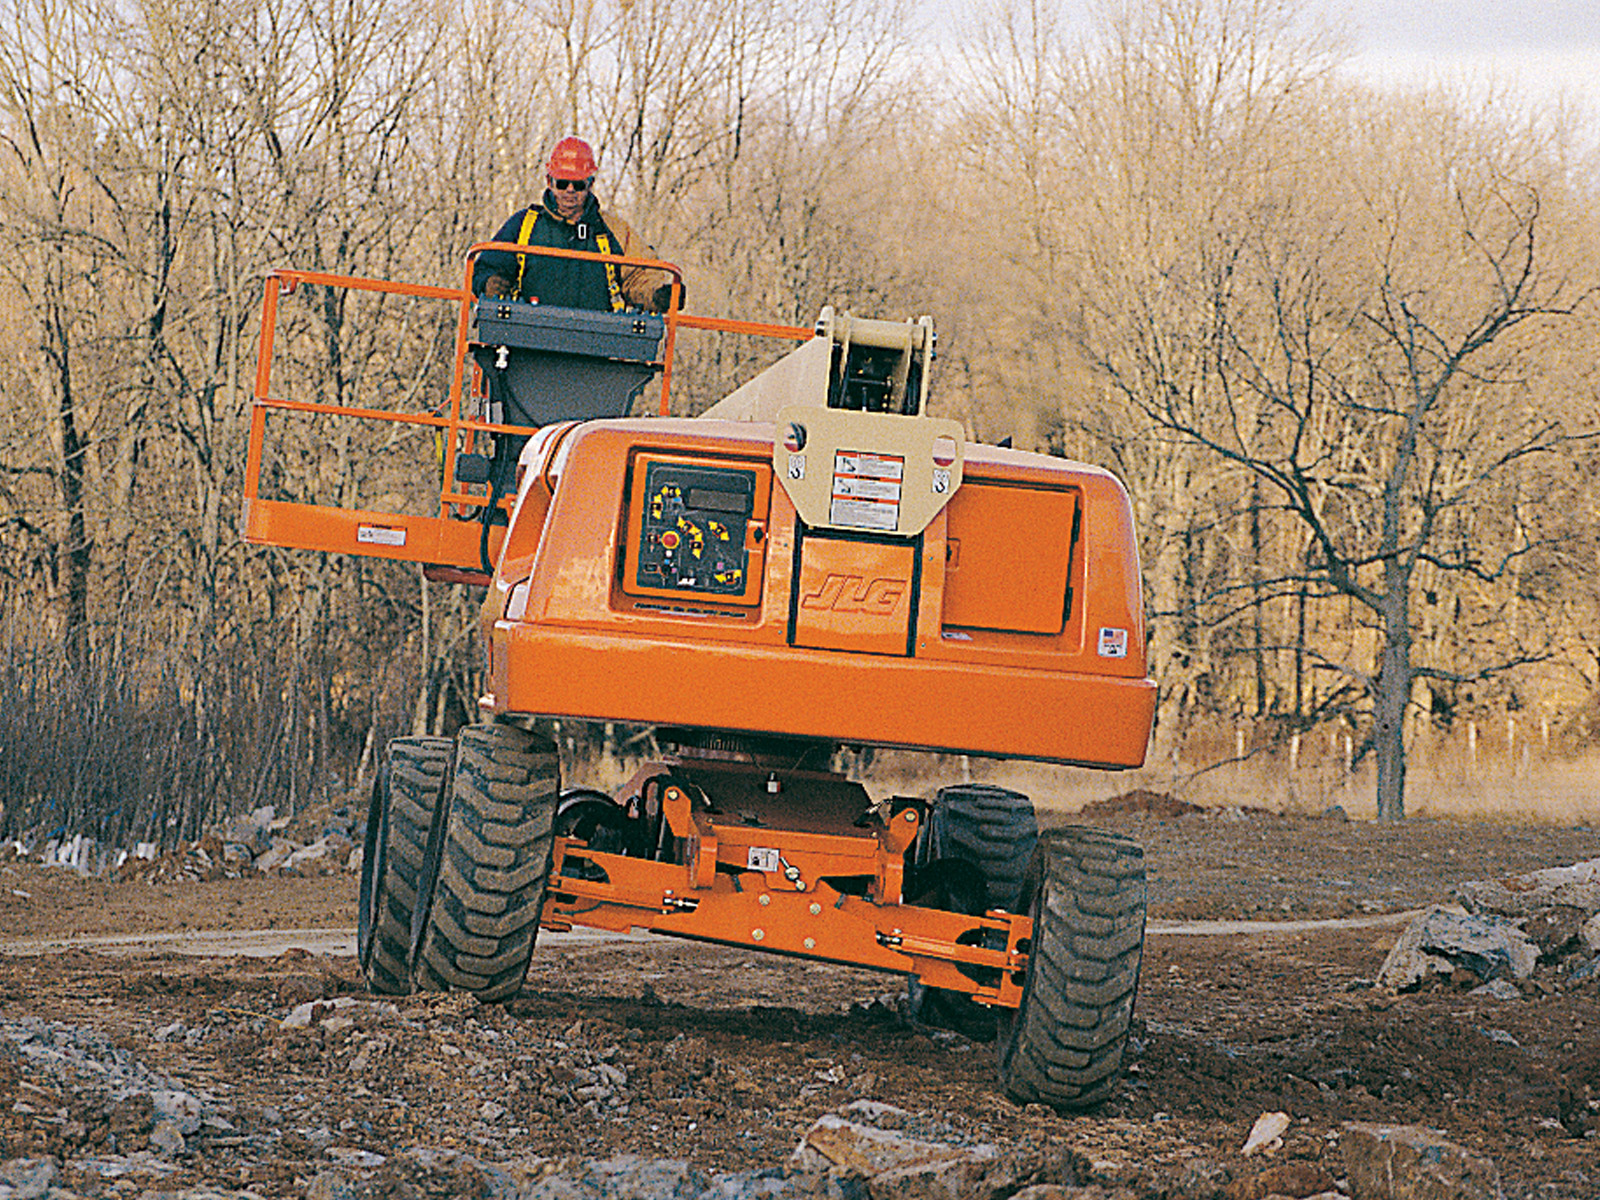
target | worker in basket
x=569, y=217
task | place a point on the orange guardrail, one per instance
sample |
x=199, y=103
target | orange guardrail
x=436, y=539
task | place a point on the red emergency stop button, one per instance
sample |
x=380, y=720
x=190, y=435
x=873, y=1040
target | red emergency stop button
x=670, y=539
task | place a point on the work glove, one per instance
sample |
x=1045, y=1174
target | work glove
x=662, y=296
x=496, y=287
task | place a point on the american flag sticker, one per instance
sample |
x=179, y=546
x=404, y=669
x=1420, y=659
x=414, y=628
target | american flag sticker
x=1113, y=642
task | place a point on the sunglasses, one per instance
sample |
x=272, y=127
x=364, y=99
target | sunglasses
x=575, y=185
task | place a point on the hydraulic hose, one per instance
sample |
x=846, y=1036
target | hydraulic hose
x=487, y=520
x=496, y=474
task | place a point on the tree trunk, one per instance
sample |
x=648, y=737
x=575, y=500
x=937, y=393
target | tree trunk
x=1257, y=607
x=74, y=545
x=1389, y=709
x=1300, y=697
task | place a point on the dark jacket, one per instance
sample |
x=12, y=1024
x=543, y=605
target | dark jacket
x=572, y=283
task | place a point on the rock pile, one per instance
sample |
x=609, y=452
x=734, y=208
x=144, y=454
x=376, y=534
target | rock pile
x=322, y=841
x=868, y=1150
x=89, y=1119
x=1502, y=931
x=77, y=1093
x=1405, y=1162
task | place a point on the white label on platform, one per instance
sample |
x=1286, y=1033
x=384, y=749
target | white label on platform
x=869, y=466
x=378, y=535
x=864, y=514
x=866, y=490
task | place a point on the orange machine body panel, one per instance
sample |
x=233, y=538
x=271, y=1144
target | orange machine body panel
x=1009, y=549
x=854, y=594
x=1011, y=626
x=657, y=570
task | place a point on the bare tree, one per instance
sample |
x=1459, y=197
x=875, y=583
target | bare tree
x=1385, y=413
x=1106, y=166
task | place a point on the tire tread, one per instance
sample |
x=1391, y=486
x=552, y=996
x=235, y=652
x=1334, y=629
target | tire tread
x=491, y=864
x=994, y=829
x=405, y=795
x=1067, y=1043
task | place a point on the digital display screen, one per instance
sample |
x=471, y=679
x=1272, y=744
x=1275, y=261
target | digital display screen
x=714, y=501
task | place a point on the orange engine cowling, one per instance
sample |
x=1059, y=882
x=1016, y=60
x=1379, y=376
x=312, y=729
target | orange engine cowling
x=659, y=572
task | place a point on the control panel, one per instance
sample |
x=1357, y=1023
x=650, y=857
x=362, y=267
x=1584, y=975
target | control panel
x=696, y=530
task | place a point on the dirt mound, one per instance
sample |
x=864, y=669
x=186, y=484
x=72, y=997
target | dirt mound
x=1433, y=1059
x=1141, y=800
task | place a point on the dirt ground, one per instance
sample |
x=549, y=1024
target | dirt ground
x=724, y=1058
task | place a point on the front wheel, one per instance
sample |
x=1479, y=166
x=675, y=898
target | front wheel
x=404, y=795
x=487, y=863
x=1066, y=1045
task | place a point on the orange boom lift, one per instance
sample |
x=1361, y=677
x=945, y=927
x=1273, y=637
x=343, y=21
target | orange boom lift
x=814, y=563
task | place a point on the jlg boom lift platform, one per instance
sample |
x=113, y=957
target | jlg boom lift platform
x=812, y=563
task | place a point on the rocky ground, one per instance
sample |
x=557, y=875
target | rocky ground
x=165, y=1073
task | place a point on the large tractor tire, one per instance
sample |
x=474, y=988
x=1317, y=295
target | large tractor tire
x=1067, y=1043
x=404, y=795
x=487, y=863
x=993, y=830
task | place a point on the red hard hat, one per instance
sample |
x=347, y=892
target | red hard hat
x=572, y=159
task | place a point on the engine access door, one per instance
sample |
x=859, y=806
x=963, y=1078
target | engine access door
x=855, y=592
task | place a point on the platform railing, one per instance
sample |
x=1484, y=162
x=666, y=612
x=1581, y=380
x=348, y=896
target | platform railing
x=435, y=539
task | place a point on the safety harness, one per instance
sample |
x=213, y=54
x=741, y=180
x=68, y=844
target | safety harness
x=602, y=240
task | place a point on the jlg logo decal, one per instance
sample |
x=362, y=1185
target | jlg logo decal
x=855, y=594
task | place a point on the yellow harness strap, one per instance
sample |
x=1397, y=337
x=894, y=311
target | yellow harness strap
x=523, y=234
x=612, y=286
x=602, y=241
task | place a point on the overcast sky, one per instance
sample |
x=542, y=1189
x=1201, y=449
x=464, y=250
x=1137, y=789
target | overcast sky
x=1543, y=47
x=1451, y=27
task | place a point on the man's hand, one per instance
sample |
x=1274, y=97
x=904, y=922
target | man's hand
x=662, y=296
x=496, y=287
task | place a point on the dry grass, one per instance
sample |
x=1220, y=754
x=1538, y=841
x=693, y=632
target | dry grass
x=141, y=742
x=1556, y=792
x=1441, y=783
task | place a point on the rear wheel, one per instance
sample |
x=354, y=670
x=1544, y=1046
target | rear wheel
x=1067, y=1043
x=404, y=795
x=487, y=863
x=980, y=838
x=993, y=828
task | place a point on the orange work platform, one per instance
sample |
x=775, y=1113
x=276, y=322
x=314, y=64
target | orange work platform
x=441, y=537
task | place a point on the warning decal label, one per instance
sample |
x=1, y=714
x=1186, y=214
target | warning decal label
x=866, y=490
x=762, y=858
